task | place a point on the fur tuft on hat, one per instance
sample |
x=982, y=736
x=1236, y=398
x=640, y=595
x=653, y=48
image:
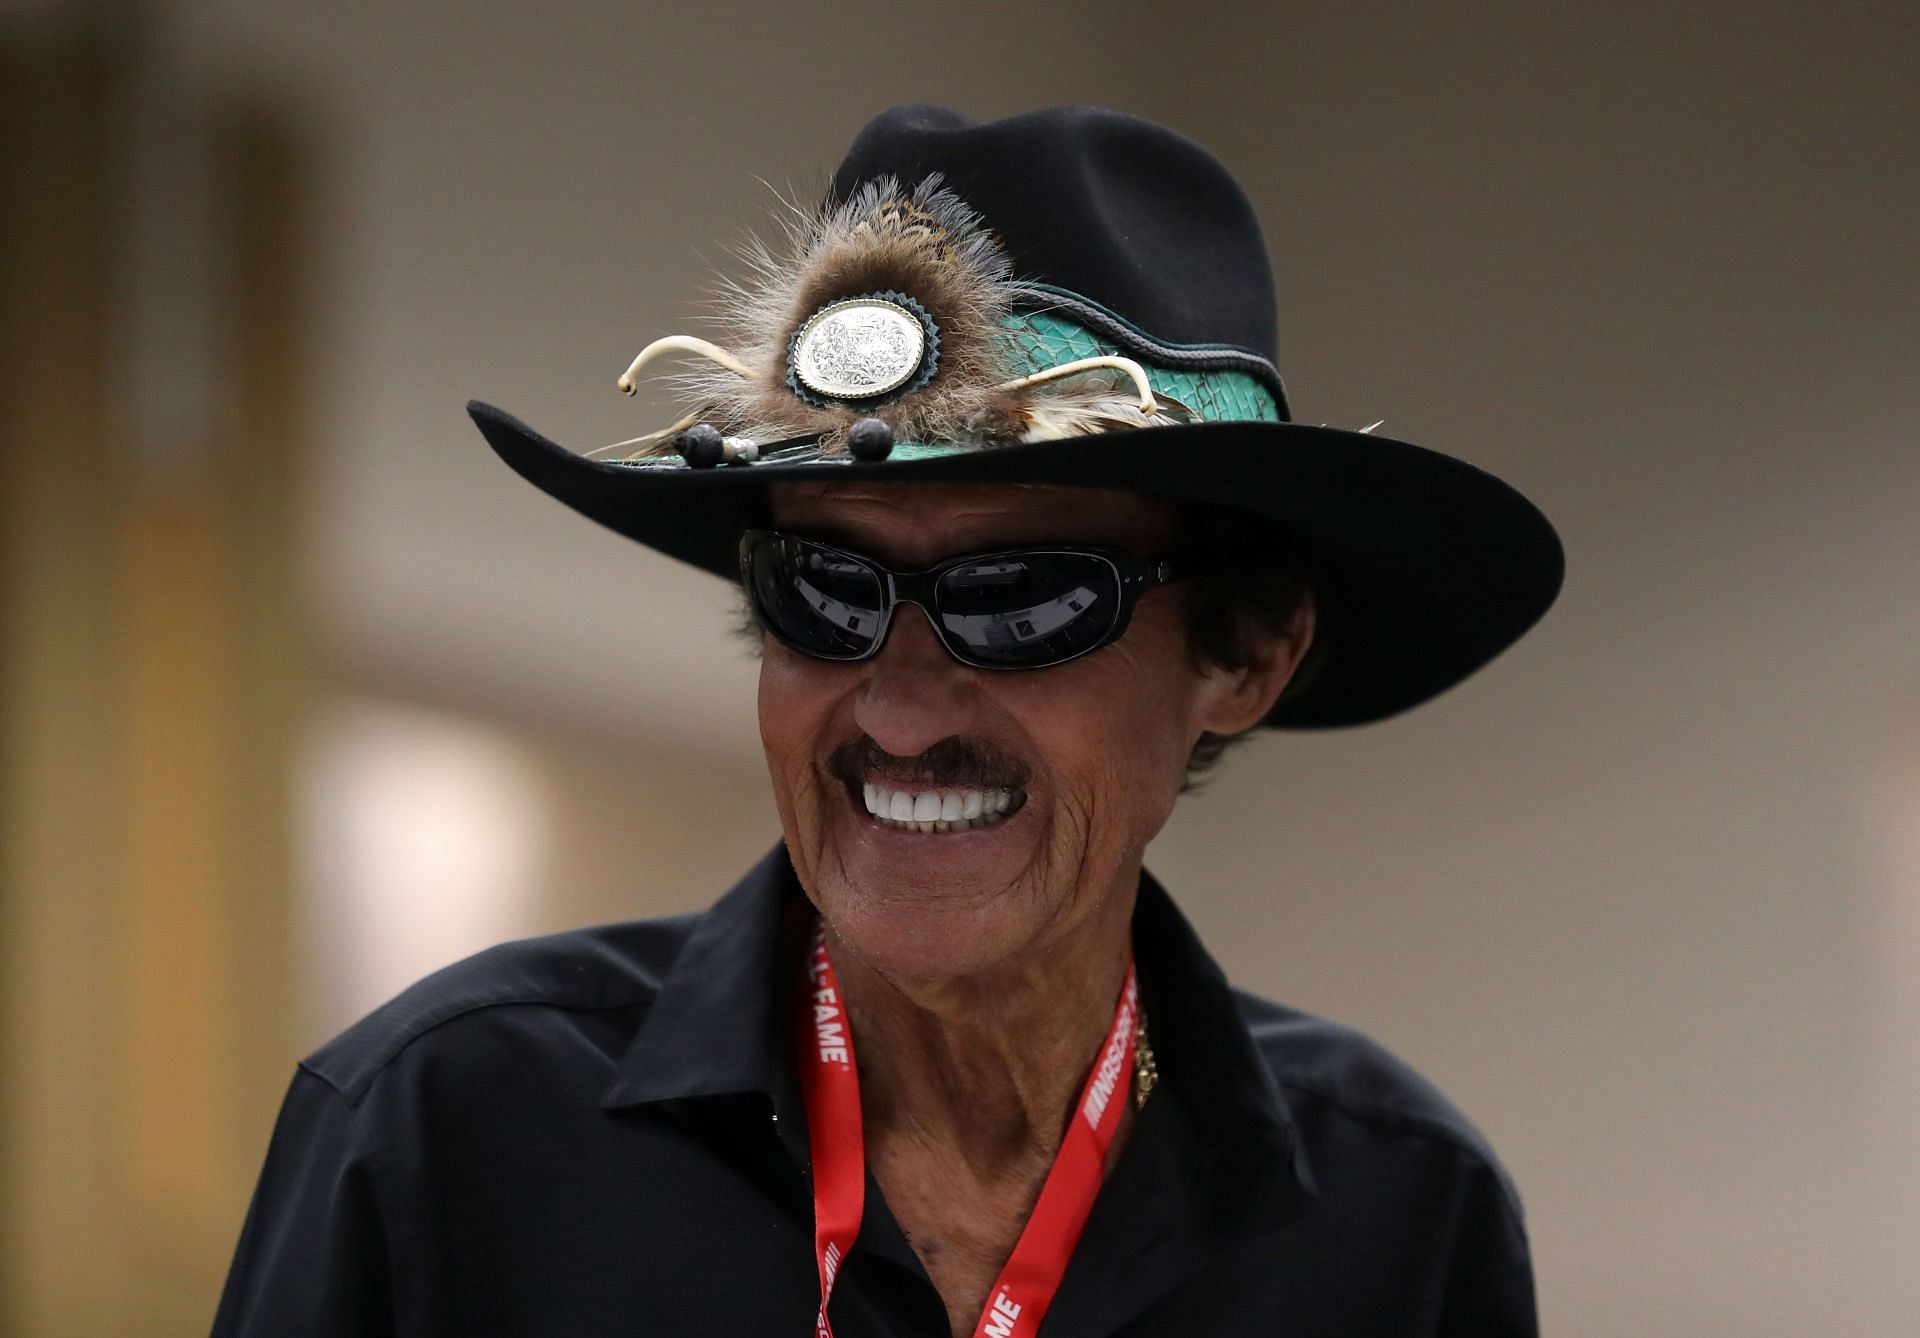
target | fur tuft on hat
x=925, y=250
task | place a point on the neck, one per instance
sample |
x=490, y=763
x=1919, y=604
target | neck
x=987, y=1066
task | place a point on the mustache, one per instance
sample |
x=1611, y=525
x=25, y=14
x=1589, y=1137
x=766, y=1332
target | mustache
x=952, y=764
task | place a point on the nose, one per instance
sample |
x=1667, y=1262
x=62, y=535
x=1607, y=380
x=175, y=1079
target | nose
x=915, y=694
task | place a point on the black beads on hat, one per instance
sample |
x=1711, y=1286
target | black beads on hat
x=702, y=447
x=870, y=439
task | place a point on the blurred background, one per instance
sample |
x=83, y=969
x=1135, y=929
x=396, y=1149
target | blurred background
x=304, y=695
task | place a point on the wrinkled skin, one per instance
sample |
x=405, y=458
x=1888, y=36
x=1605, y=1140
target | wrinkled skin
x=1102, y=741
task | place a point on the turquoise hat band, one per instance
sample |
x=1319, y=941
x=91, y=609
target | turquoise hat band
x=1037, y=340
x=1034, y=341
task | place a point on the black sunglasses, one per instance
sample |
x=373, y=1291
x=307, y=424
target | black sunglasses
x=1014, y=608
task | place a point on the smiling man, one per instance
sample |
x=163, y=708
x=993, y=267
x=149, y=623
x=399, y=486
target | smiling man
x=973, y=840
x=999, y=455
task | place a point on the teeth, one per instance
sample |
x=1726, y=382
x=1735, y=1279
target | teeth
x=937, y=810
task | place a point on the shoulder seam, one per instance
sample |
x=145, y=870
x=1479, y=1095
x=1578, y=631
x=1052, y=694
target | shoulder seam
x=1380, y=1115
x=304, y=1067
x=373, y=1071
x=1437, y=1129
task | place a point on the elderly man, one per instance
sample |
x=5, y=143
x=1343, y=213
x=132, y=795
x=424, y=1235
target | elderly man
x=997, y=450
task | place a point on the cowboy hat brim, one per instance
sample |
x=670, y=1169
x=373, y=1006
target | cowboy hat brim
x=1423, y=567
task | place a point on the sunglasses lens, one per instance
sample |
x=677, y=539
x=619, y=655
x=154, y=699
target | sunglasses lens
x=1025, y=610
x=815, y=599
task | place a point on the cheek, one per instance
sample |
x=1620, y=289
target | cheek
x=797, y=699
x=1116, y=731
x=1143, y=752
x=1151, y=697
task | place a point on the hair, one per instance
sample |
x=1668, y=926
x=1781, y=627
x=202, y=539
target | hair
x=1245, y=586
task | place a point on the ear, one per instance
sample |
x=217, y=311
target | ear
x=1235, y=700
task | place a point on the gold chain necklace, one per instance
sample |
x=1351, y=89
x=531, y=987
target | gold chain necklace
x=1145, y=1072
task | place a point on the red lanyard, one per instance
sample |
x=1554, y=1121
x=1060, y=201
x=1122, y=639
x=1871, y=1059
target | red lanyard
x=831, y=1087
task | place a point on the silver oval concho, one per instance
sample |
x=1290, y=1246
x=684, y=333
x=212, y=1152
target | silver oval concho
x=863, y=348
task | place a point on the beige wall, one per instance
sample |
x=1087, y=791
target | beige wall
x=425, y=834
x=152, y=666
x=1641, y=897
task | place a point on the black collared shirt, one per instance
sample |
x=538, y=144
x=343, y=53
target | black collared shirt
x=600, y=1133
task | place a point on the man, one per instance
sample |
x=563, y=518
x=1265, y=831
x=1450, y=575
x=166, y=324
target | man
x=1001, y=459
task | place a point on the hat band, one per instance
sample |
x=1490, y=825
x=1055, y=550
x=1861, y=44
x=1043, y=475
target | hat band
x=1035, y=340
x=1048, y=329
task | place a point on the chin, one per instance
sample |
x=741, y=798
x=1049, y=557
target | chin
x=931, y=905
x=912, y=936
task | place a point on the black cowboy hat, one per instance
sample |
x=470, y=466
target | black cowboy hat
x=1080, y=297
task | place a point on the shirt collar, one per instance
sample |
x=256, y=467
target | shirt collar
x=1202, y=1045
x=719, y=1024
x=713, y=1025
